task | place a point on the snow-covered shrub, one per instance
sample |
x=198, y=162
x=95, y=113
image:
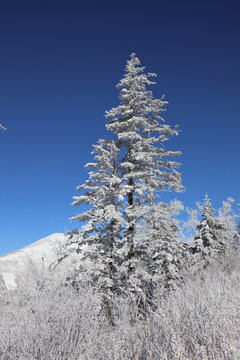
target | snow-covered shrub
x=200, y=320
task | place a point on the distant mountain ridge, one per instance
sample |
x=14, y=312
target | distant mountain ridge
x=31, y=261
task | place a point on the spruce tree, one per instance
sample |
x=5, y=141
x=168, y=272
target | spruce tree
x=208, y=244
x=144, y=163
x=161, y=243
x=131, y=169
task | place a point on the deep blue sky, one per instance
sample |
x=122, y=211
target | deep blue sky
x=59, y=63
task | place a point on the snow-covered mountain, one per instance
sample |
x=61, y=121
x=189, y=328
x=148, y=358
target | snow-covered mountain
x=31, y=262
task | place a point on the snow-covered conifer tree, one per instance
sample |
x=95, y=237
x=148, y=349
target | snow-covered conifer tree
x=129, y=172
x=144, y=163
x=97, y=239
x=207, y=244
x=227, y=218
x=161, y=243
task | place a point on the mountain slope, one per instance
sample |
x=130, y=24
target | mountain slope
x=31, y=261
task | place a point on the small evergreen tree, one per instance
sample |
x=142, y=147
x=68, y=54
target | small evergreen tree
x=207, y=244
x=161, y=243
x=227, y=218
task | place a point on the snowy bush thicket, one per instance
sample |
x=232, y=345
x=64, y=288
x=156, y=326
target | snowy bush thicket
x=200, y=320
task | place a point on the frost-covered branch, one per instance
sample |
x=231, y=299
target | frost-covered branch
x=2, y=127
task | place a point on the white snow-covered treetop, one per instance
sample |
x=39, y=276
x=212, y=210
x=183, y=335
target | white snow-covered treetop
x=207, y=207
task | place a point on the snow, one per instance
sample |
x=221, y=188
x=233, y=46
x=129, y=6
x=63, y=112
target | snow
x=31, y=260
x=9, y=280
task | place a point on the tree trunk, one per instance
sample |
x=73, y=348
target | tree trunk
x=130, y=230
x=110, y=275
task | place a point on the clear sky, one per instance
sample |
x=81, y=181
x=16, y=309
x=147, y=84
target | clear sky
x=59, y=64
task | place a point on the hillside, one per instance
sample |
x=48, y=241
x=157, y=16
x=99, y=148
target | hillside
x=31, y=261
